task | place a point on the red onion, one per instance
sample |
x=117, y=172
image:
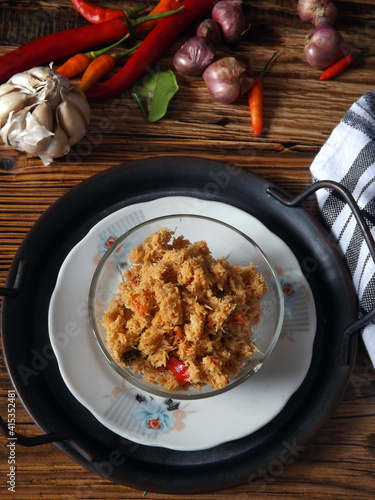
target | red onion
x=211, y=30
x=229, y=15
x=227, y=79
x=194, y=56
x=317, y=12
x=324, y=46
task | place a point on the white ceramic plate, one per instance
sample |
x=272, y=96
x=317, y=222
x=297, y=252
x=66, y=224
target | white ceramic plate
x=152, y=420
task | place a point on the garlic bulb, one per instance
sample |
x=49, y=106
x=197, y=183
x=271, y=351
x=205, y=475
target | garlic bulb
x=42, y=114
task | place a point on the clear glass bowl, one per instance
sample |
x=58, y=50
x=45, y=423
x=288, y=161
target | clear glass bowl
x=223, y=241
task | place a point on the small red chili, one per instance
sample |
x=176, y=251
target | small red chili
x=179, y=369
x=95, y=14
x=338, y=67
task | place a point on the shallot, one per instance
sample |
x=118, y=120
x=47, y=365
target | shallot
x=324, y=46
x=317, y=12
x=194, y=56
x=211, y=30
x=227, y=79
x=229, y=15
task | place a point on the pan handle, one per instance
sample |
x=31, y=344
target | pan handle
x=30, y=440
x=53, y=437
x=280, y=196
x=17, y=283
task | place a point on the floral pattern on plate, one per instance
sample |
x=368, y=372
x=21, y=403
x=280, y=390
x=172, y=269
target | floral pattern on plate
x=145, y=414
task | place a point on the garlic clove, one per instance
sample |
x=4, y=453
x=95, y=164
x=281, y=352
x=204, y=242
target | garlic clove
x=71, y=121
x=5, y=88
x=77, y=98
x=13, y=101
x=13, y=127
x=24, y=82
x=35, y=138
x=58, y=146
x=43, y=115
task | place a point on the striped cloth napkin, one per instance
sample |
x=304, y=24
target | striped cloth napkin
x=348, y=157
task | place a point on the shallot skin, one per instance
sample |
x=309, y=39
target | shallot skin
x=317, y=12
x=231, y=19
x=228, y=79
x=194, y=56
x=324, y=46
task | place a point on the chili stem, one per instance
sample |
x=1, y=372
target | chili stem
x=96, y=53
x=133, y=23
x=263, y=72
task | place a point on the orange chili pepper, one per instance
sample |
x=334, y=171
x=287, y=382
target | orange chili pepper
x=256, y=105
x=100, y=66
x=80, y=62
x=97, y=68
x=255, y=98
x=74, y=65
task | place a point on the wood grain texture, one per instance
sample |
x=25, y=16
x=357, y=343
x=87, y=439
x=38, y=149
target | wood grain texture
x=300, y=114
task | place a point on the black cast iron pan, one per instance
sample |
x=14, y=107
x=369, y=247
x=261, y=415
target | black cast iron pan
x=33, y=369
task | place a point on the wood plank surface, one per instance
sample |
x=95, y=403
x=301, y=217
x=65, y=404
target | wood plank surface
x=300, y=112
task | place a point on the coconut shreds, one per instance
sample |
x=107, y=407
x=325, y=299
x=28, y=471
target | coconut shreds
x=177, y=300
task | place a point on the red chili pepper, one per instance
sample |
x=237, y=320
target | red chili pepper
x=255, y=98
x=67, y=42
x=153, y=46
x=95, y=14
x=100, y=66
x=338, y=67
x=60, y=45
x=179, y=369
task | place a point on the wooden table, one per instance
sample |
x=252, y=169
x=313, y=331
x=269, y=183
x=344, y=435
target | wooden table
x=300, y=113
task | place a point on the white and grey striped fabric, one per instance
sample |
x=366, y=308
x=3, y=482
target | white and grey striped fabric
x=348, y=157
